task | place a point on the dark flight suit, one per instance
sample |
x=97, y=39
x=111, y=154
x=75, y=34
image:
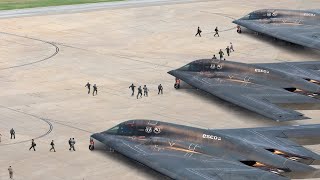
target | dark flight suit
x=221, y=54
x=52, y=146
x=70, y=144
x=160, y=89
x=228, y=51
x=10, y=172
x=217, y=32
x=95, y=89
x=139, y=92
x=73, y=142
x=33, y=145
x=198, y=32
x=13, y=134
x=132, y=88
x=145, y=91
x=88, y=85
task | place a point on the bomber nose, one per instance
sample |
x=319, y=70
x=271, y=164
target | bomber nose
x=97, y=136
x=172, y=72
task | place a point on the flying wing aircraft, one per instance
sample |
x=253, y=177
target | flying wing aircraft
x=296, y=26
x=257, y=87
x=183, y=152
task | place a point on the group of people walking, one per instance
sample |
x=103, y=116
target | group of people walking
x=229, y=49
x=145, y=90
x=95, y=88
x=216, y=30
x=71, y=142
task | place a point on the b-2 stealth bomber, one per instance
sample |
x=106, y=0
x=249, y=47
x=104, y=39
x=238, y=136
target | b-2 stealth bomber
x=296, y=26
x=183, y=152
x=257, y=87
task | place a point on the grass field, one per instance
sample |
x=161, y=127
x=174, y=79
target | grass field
x=19, y=4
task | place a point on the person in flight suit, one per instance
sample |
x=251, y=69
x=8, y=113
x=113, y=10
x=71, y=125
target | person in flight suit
x=132, y=89
x=33, y=145
x=52, y=146
x=72, y=143
x=95, y=89
x=139, y=92
x=145, y=90
x=160, y=89
x=198, y=31
x=12, y=133
x=216, y=32
x=221, y=54
x=228, y=50
x=88, y=86
x=231, y=47
x=10, y=172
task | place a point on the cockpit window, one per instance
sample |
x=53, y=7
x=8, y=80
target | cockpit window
x=122, y=129
x=185, y=68
x=113, y=130
x=255, y=16
x=195, y=67
x=246, y=16
x=126, y=130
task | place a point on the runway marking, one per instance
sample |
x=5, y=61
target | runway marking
x=42, y=119
x=48, y=121
x=35, y=39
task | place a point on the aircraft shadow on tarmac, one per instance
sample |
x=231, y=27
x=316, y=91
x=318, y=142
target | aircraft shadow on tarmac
x=281, y=44
x=244, y=113
x=141, y=169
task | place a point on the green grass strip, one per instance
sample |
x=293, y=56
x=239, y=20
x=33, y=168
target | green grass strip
x=20, y=4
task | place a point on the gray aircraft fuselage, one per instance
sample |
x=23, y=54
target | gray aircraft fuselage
x=296, y=26
x=212, y=143
x=250, y=73
x=307, y=17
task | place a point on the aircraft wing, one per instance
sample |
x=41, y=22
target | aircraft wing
x=315, y=10
x=258, y=98
x=286, y=140
x=181, y=164
x=294, y=32
x=307, y=70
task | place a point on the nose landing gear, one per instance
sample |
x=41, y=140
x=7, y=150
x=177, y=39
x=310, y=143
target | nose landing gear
x=177, y=84
x=91, y=146
x=239, y=29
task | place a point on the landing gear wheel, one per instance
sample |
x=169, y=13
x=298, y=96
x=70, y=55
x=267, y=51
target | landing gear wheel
x=177, y=86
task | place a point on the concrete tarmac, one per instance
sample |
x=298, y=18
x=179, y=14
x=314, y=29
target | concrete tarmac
x=47, y=58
